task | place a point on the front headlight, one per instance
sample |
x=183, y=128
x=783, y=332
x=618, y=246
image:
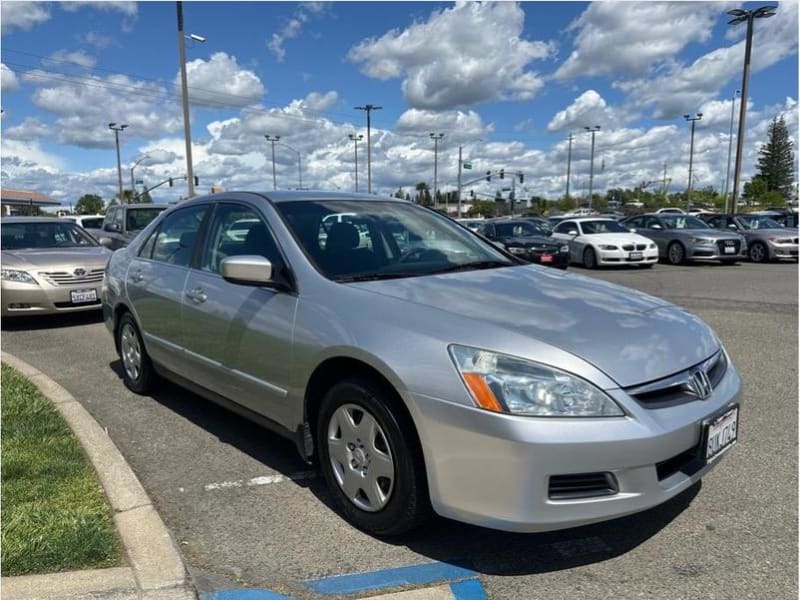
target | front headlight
x=608, y=247
x=702, y=241
x=18, y=276
x=652, y=246
x=517, y=386
x=517, y=250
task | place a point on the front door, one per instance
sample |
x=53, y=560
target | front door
x=239, y=337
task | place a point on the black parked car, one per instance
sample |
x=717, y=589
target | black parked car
x=529, y=241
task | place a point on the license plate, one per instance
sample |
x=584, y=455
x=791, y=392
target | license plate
x=81, y=296
x=546, y=258
x=730, y=250
x=635, y=256
x=721, y=433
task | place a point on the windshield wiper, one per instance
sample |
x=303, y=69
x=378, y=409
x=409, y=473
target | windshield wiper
x=375, y=277
x=472, y=266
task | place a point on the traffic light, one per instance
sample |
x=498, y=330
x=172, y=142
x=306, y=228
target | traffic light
x=196, y=180
x=502, y=173
x=488, y=175
x=472, y=193
x=170, y=182
x=521, y=178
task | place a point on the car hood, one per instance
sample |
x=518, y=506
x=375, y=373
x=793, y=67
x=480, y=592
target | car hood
x=46, y=258
x=629, y=335
x=714, y=234
x=532, y=240
x=782, y=232
x=619, y=239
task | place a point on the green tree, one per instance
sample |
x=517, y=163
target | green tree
x=89, y=204
x=776, y=159
x=482, y=208
x=399, y=193
x=753, y=190
x=423, y=194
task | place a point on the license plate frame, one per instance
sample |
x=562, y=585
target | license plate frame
x=83, y=296
x=730, y=250
x=636, y=255
x=546, y=258
x=720, y=425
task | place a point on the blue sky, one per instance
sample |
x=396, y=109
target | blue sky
x=509, y=82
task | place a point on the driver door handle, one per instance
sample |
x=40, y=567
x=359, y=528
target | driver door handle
x=197, y=295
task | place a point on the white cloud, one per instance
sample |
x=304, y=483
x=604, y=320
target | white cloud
x=588, y=109
x=455, y=124
x=631, y=37
x=30, y=129
x=220, y=81
x=305, y=12
x=8, y=79
x=78, y=57
x=98, y=40
x=460, y=56
x=23, y=15
x=129, y=9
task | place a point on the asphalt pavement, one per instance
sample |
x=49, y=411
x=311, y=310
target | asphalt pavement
x=246, y=511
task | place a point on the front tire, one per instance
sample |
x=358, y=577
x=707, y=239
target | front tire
x=138, y=373
x=370, y=459
x=758, y=253
x=676, y=254
x=589, y=258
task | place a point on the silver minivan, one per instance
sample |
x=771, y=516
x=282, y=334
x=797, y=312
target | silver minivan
x=445, y=377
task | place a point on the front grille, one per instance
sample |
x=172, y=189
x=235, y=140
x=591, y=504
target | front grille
x=688, y=462
x=628, y=247
x=582, y=485
x=641, y=246
x=722, y=244
x=674, y=390
x=69, y=277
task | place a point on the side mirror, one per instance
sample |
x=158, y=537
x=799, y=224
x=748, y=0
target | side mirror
x=655, y=226
x=732, y=226
x=247, y=270
x=632, y=229
x=572, y=232
x=106, y=242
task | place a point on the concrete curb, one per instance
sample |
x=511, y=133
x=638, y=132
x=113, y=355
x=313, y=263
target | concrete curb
x=156, y=570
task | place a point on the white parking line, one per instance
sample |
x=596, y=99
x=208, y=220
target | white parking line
x=262, y=480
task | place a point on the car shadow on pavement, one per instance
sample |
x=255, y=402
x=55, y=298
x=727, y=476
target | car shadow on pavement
x=57, y=321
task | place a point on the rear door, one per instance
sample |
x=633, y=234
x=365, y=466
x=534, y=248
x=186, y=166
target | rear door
x=155, y=284
x=239, y=337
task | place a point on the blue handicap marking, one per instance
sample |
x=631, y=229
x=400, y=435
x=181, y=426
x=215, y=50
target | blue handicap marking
x=244, y=594
x=471, y=589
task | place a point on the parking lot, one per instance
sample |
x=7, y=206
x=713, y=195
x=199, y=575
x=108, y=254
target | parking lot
x=247, y=512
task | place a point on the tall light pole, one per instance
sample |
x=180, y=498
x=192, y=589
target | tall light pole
x=593, y=130
x=692, y=120
x=368, y=108
x=187, y=130
x=569, y=164
x=299, y=165
x=272, y=139
x=356, y=139
x=730, y=148
x=741, y=16
x=133, y=181
x=436, y=137
x=116, y=129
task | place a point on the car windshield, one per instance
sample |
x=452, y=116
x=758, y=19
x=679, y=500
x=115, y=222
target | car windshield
x=758, y=222
x=358, y=240
x=600, y=226
x=682, y=222
x=41, y=234
x=96, y=223
x=520, y=229
x=139, y=218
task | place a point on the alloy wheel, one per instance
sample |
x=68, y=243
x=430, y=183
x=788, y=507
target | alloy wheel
x=131, y=352
x=757, y=253
x=676, y=253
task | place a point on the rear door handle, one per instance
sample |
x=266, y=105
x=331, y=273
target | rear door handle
x=197, y=295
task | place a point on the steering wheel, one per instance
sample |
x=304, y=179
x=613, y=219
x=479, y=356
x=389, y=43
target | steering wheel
x=421, y=255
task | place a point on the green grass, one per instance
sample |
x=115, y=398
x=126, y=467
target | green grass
x=55, y=516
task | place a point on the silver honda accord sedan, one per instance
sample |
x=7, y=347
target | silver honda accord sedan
x=420, y=366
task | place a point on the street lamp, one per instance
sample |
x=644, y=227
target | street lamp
x=116, y=129
x=693, y=120
x=593, y=130
x=356, y=138
x=299, y=165
x=133, y=184
x=730, y=147
x=368, y=108
x=272, y=140
x=741, y=16
x=436, y=137
x=185, y=94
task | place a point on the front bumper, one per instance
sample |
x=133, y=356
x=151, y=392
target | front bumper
x=715, y=252
x=649, y=256
x=782, y=250
x=494, y=470
x=21, y=299
x=546, y=258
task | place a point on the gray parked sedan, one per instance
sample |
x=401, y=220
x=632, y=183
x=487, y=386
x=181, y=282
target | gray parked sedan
x=449, y=377
x=49, y=266
x=682, y=238
x=766, y=239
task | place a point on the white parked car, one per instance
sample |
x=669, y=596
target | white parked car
x=670, y=210
x=597, y=242
x=86, y=221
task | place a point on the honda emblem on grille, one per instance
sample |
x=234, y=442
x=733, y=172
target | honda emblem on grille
x=79, y=272
x=699, y=384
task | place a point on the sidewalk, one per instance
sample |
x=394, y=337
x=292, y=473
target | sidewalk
x=155, y=570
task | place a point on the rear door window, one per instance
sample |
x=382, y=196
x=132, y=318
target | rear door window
x=174, y=243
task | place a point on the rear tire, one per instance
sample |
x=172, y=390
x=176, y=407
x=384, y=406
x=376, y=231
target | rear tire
x=370, y=458
x=137, y=369
x=758, y=253
x=589, y=258
x=676, y=254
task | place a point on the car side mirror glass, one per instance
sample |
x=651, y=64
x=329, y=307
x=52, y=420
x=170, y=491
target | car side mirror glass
x=572, y=232
x=247, y=270
x=105, y=242
x=655, y=226
x=732, y=226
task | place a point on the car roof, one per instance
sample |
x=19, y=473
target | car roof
x=279, y=196
x=598, y=218
x=52, y=219
x=140, y=205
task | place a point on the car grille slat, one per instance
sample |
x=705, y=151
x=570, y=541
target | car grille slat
x=582, y=485
x=65, y=278
x=673, y=390
x=722, y=244
x=628, y=247
x=641, y=246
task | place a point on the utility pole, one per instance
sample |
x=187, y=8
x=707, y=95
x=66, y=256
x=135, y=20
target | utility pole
x=458, y=199
x=569, y=164
x=436, y=139
x=187, y=130
x=356, y=139
x=116, y=129
x=693, y=120
x=368, y=108
x=730, y=148
x=740, y=15
x=664, y=184
x=591, y=130
x=272, y=139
